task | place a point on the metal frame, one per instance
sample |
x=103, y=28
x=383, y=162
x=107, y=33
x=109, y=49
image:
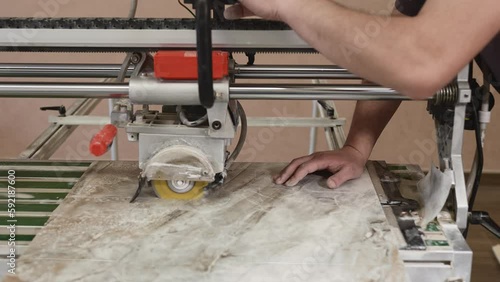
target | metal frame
x=455, y=158
x=149, y=39
x=49, y=141
x=432, y=263
x=62, y=70
x=236, y=91
x=335, y=135
x=180, y=95
x=252, y=121
x=112, y=71
x=442, y=263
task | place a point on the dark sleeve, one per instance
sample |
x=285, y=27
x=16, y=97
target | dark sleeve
x=409, y=7
x=490, y=58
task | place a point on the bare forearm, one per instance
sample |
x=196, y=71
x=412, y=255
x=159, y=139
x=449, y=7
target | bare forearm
x=406, y=54
x=341, y=35
x=370, y=119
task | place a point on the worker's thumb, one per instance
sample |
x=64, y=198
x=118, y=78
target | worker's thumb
x=339, y=178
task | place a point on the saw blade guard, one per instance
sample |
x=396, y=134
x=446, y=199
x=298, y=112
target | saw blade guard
x=179, y=163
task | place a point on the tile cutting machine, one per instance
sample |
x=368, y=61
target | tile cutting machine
x=187, y=68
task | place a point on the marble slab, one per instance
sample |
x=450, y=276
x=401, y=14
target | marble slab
x=248, y=230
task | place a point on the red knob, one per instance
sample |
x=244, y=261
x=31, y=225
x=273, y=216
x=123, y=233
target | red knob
x=101, y=142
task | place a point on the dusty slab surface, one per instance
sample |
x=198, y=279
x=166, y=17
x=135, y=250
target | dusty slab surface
x=247, y=230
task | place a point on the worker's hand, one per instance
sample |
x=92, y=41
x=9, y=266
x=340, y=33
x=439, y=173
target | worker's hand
x=267, y=9
x=345, y=164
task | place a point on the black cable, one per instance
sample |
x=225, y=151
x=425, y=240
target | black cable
x=479, y=169
x=471, y=71
x=485, y=220
x=186, y=7
x=480, y=159
x=243, y=136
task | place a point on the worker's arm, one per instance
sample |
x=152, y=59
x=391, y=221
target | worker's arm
x=370, y=119
x=416, y=56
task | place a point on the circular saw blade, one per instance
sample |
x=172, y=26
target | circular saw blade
x=163, y=190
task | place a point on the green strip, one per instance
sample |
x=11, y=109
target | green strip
x=439, y=243
x=32, y=173
x=35, y=207
x=409, y=176
x=24, y=221
x=27, y=238
x=45, y=164
x=39, y=184
x=397, y=167
x=432, y=227
x=38, y=196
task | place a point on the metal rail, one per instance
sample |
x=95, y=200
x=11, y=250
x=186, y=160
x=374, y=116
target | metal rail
x=124, y=40
x=316, y=92
x=63, y=90
x=112, y=70
x=252, y=121
x=62, y=70
x=50, y=140
x=293, y=72
x=238, y=91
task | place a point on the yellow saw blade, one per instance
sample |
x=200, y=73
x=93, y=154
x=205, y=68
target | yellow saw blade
x=163, y=190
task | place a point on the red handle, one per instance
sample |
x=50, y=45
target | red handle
x=101, y=142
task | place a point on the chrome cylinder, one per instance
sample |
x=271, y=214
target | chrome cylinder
x=61, y=70
x=112, y=70
x=316, y=92
x=148, y=90
x=63, y=90
x=292, y=72
x=151, y=91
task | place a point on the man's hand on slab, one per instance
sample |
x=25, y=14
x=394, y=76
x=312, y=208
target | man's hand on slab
x=345, y=164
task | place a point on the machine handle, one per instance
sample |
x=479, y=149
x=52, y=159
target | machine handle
x=204, y=48
x=60, y=109
x=101, y=142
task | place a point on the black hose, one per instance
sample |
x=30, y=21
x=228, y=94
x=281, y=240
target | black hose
x=204, y=49
x=243, y=136
x=485, y=220
x=480, y=159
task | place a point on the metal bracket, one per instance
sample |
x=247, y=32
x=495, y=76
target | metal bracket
x=144, y=63
x=450, y=133
x=221, y=123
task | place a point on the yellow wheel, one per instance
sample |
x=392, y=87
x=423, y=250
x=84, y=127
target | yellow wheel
x=178, y=189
